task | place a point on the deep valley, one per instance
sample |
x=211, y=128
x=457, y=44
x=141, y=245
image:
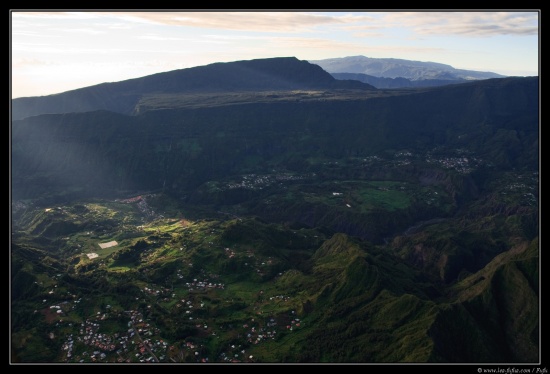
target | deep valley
x=271, y=219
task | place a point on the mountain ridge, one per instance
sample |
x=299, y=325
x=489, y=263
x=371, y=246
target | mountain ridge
x=399, y=82
x=281, y=73
x=399, y=68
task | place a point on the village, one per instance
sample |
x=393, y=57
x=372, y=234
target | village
x=523, y=186
x=138, y=340
x=190, y=295
x=460, y=164
x=260, y=181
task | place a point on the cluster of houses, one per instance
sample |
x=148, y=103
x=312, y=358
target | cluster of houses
x=235, y=354
x=89, y=341
x=142, y=342
x=258, y=182
x=197, y=285
x=403, y=154
x=460, y=164
x=531, y=199
x=133, y=345
x=524, y=190
x=203, y=285
x=155, y=292
x=372, y=159
x=141, y=203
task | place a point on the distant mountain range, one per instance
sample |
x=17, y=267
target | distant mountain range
x=394, y=73
x=400, y=82
x=395, y=68
x=275, y=74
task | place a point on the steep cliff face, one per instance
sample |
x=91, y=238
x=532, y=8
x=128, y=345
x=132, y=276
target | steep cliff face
x=188, y=147
x=495, y=316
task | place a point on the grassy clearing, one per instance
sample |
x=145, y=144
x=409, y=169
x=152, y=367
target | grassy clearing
x=354, y=195
x=119, y=269
x=371, y=197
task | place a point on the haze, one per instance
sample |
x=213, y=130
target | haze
x=53, y=52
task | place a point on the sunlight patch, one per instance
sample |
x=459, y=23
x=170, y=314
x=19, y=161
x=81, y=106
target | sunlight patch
x=108, y=244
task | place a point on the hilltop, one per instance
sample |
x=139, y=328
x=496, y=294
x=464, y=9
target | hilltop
x=272, y=74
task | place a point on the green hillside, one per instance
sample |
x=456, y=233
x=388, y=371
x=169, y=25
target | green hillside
x=276, y=217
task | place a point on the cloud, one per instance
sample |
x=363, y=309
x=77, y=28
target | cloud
x=59, y=50
x=86, y=31
x=463, y=23
x=62, y=52
x=377, y=35
x=191, y=38
x=117, y=26
x=163, y=38
x=52, y=15
x=338, y=48
x=472, y=24
x=249, y=21
x=313, y=43
x=236, y=37
x=20, y=63
x=33, y=34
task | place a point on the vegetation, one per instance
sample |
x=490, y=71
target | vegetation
x=294, y=224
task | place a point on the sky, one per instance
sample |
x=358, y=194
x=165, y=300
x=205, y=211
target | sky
x=57, y=51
